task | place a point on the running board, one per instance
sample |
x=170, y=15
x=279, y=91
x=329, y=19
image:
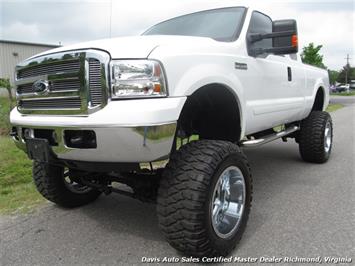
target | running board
x=258, y=142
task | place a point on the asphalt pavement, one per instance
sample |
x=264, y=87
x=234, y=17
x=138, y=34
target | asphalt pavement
x=344, y=100
x=299, y=210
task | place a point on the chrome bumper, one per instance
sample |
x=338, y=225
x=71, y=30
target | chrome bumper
x=114, y=144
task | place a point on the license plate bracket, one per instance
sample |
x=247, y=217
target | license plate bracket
x=38, y=150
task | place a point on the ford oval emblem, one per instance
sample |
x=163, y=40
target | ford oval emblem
x=40, y=86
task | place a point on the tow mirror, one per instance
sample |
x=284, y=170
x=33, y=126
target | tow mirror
x=284, y=38
x=289, y=43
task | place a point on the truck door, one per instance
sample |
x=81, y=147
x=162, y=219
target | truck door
x=271, y=97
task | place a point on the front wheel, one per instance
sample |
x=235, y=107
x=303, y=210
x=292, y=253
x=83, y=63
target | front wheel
x=316, y=137
x=56, y=185
x=204, y=198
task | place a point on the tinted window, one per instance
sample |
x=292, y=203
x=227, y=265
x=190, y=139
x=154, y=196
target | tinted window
x=260, y=23
x=220, y=24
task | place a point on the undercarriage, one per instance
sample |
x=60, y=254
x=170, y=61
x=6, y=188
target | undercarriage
x=142, y=185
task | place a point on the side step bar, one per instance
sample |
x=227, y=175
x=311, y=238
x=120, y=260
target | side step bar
x=258, y=142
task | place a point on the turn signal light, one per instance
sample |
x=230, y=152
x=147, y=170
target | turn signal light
x=157, y=88
x=294, y=40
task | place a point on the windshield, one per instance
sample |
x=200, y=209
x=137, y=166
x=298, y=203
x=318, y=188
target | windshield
x=220, y=24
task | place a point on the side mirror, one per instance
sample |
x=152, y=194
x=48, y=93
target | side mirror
x=289, y=43
x=284, y=38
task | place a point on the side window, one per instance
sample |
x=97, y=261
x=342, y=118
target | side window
x=260, y=23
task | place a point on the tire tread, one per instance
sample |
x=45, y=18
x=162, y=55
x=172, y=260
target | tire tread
x=311, y=137
x=183, y=194
x=49, y=182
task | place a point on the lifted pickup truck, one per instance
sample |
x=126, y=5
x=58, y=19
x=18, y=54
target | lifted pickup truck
x=192, y=91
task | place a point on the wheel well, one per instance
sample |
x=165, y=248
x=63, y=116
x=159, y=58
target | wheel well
x=319, y=100
x=211, y=112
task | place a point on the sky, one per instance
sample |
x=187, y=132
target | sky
x=327, y=22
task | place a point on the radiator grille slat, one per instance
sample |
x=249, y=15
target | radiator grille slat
x=48, y=69
x=95, y=82
x=65, y=85
x=60, y=85
x=56, y=103
x=27, y=88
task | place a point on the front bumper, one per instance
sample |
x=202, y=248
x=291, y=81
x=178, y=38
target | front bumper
x=126, y=131
x=115, y=144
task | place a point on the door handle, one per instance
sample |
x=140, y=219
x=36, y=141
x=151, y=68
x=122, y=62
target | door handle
x=289, y=73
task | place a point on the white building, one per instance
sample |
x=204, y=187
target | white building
x=13, y=52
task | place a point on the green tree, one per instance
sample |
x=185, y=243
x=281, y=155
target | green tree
x=310, y=55
x=5, y=83
x=333, y=76
x=346, y=74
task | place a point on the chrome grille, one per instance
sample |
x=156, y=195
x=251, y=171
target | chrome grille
x=59, y=85
x=69, y=83
x=95, y=82
x=26, y=88
x=47, y=68
x=56, y=103
x=65, y=85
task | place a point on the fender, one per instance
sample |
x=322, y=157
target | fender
x=197, y=77
x=319, y=84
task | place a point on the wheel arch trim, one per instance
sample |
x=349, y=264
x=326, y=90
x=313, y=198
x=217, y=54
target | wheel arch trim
x=233, y=88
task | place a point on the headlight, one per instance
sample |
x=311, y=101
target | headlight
x=137, y=78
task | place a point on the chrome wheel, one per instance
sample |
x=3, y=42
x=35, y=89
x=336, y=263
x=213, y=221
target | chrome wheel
x=328, y=137
x=228, y=202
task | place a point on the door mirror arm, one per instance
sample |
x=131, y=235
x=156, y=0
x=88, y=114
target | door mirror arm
x=255, y=37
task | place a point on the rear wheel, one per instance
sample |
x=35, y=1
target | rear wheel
x=316, y=137
x=204, y=198
x=56, y=185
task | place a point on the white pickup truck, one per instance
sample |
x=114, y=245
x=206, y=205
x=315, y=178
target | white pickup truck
x=191, y=90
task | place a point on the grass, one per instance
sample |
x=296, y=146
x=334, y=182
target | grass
x=17, y=191
x=4, y=115
x=351, y=93
x=334, y=107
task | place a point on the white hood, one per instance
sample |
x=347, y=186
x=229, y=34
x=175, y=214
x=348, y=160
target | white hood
x=130, y=47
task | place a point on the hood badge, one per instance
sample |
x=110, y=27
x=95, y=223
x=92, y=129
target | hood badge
x=40, y=86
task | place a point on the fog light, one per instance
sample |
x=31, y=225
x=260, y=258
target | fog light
x=80, y=139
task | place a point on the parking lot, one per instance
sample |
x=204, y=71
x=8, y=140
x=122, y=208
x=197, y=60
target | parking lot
x=299, y=209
